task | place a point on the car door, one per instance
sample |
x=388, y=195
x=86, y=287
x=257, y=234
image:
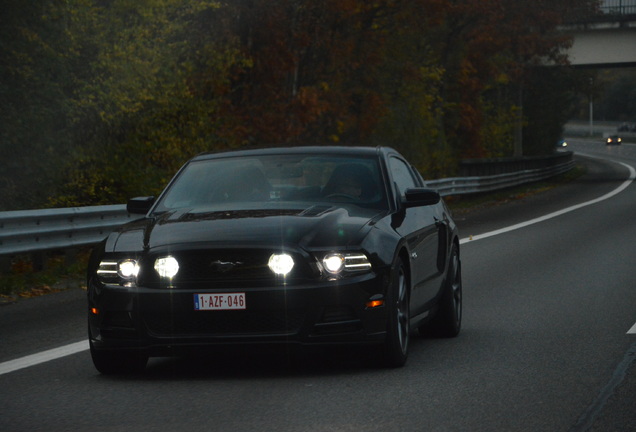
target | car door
x=418, y=225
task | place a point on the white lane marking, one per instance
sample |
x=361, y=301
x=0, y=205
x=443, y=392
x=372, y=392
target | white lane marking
x=44, y=356
x=623, y=186
x=632, y=176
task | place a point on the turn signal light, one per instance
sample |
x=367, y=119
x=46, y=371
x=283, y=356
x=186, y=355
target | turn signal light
x=375, y=303
x=95, y=311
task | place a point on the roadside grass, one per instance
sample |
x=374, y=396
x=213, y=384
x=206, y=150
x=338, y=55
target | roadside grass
x=25, y=280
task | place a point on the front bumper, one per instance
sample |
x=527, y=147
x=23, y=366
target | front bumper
x=164, y=320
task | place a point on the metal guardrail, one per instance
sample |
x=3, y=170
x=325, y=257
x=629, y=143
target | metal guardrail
x=29, y=231
x=26, y=231
x=471, y=185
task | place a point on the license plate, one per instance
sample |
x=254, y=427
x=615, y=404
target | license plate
x=220, y=301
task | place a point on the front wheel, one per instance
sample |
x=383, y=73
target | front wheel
x=396, y=346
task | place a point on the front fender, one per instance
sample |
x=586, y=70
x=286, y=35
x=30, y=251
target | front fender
x=382, y=243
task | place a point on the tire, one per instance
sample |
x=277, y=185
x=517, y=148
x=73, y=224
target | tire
x=114, y=362
x=448, y=321
x=396, y=346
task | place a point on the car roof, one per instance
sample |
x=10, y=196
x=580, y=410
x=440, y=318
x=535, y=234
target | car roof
x=318, y=150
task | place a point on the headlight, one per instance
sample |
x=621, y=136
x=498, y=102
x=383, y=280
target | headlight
x=337, y=263
x=122, y=272
x=281, y=264
x=128, y=269
x=333, y=263
x=167, y=267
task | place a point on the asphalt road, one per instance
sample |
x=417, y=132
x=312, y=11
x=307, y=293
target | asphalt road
x=544, y=347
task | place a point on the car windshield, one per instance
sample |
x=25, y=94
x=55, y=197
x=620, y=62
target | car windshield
x=275, y=181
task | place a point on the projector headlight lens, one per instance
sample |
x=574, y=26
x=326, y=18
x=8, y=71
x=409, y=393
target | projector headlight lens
x=128, y=269
x=333, y=263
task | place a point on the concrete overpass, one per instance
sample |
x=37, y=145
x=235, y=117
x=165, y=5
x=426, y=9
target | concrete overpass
x=605, y=40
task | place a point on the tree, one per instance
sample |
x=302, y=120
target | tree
x=159, y=80
x=35, y=84
x=120, y=93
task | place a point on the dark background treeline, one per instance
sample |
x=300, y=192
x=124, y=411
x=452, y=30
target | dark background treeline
x=101, y=100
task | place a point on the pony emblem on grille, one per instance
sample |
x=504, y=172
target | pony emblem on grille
x=224, y=266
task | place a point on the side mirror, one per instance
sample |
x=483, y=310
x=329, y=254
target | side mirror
x=140, y=205
x=417, y=197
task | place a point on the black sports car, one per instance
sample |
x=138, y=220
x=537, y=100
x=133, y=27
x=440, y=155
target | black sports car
x=307, y=245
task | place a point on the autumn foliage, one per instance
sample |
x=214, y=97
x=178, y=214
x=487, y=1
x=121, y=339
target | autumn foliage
x=129, y=90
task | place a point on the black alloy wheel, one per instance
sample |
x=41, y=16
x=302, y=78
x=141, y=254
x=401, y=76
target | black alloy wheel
x=396, y=346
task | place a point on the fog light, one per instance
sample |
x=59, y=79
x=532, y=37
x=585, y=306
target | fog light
x=167, y=267
x=281, y=264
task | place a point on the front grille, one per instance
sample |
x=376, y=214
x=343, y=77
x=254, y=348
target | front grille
x=223, y=323
x=239, y=267
x=224, y=265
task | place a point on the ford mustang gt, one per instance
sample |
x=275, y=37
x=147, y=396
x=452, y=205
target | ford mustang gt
x=305, y=245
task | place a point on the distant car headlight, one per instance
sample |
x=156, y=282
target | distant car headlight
x=122, y=272
x=167, y=267
x=336, y=263
x=281, y=264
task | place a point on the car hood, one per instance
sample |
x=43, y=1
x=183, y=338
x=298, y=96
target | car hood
x=308, y=228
